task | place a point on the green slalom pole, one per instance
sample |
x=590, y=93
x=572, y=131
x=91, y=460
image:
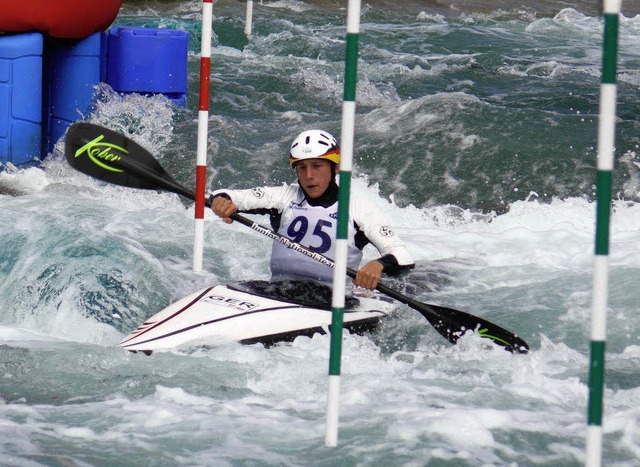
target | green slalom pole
x=606, y=143
x=340, y=268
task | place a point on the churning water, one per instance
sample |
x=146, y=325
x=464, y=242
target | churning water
x=475, y=134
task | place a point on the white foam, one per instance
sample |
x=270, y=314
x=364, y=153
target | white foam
x=19, y=181
x=294, y=5
x=556, y=235
x=9, y=334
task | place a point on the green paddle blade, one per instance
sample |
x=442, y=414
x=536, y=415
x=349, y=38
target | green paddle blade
x=114, y=158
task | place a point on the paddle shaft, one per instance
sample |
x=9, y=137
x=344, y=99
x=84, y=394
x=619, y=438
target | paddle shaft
x=112, y=157
x=320, y=258
x=175, y=187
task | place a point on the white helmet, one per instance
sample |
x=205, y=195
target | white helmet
x=314, y=144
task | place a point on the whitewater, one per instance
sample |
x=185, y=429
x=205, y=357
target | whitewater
x=475, y=136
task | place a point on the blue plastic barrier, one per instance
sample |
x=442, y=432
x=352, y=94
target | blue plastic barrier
x=47, y=85
x=71, y=74
x=20, y=97
x=148, y=61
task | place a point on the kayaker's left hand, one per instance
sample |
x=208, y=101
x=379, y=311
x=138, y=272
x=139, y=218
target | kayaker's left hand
x=369, y=275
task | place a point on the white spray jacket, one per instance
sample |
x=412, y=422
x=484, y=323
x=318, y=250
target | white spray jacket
x=314, y=227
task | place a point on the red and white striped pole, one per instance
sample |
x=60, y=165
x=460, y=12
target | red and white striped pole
x=203, y=130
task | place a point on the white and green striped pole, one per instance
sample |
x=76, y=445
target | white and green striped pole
x=340, y=268
x=606, y=143
x=249, y=18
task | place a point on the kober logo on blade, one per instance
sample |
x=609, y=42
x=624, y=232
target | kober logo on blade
x=101, y=153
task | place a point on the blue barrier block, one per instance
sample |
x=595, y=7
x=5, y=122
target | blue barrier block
x=72, y=71
x=20, y=97
x=148, y=61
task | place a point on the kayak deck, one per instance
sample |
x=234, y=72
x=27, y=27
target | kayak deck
x=254, y=312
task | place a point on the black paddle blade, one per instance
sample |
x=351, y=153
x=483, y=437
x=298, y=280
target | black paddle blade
x=109, y=156
x=453, y=324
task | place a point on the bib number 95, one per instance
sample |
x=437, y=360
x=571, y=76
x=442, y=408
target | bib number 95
x=300, y=226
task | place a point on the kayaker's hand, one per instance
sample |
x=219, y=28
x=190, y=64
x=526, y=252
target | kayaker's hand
x=223, y=208
x=369, y=275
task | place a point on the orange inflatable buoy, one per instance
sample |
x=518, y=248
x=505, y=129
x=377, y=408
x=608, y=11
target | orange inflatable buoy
x=62, y=19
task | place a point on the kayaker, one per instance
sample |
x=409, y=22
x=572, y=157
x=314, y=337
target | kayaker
x=307, y=212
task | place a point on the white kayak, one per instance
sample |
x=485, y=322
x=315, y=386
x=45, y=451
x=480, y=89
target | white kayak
x=253, y=312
